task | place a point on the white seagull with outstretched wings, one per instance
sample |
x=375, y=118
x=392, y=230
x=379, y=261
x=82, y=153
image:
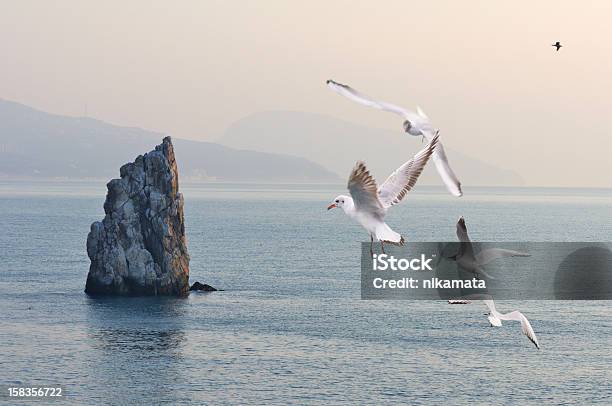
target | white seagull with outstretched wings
x=495, y=318
x=415, y=123
x=368, y=204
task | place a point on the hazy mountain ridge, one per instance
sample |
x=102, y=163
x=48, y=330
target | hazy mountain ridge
x=336, y=144
x=42, y=145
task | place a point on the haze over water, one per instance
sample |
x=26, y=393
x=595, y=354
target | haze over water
x=290, y=326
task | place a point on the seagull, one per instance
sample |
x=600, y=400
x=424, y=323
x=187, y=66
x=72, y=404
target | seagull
x=473, y=263
x=368, y=204
x=495, y=318
x=557, y=45
x=415, y=123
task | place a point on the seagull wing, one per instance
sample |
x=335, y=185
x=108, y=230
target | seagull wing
x=444, y=170
x=361, y=98
x=525, y=325
x=465, y=248
x=462, y=233
x=403, y=179
x=488, y=255
x=364, y=192
x=421, y=113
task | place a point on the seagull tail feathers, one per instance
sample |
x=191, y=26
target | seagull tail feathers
x=384, y=233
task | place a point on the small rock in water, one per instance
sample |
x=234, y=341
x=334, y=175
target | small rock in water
x=203, y=287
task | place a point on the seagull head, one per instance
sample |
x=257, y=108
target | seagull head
x=411, y=129
x=339, y=201
x=407, y=126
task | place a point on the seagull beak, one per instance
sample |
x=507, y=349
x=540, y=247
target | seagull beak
x=331, y=206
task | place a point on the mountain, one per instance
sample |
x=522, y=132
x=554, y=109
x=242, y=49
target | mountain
x=37, y=144
x=337, y=144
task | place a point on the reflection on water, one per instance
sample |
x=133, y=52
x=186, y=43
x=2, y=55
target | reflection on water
x=136, y=340
x=130, y=341
x=123, y=323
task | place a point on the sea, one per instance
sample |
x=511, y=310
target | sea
x=289, y=326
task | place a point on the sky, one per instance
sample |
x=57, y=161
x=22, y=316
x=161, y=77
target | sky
x=484, y=71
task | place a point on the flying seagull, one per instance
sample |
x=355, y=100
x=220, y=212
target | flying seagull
x=473, y=263
x=557, y=45
x=368, y=204
x=495, y=318
x=415, y=123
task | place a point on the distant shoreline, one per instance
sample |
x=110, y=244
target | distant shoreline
x=189, y=182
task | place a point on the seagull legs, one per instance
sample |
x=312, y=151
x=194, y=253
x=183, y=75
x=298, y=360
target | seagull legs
x=382, y=245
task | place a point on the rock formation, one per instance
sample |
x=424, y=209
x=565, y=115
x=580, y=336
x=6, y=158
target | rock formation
x=140, y=247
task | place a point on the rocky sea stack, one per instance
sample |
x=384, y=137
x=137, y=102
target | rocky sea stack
x=140, y=247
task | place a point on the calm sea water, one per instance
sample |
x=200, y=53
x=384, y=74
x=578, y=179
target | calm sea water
x=290, y=327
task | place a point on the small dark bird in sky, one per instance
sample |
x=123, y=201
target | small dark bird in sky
x=557, y=45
